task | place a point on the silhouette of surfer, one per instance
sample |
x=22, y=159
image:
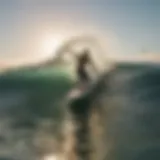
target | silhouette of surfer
x=82, y=61
x=84, y=78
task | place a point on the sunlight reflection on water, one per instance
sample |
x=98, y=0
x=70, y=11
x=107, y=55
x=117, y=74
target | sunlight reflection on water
x=51, y=157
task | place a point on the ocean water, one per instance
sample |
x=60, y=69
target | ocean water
x=128, y=98
x=31, y=112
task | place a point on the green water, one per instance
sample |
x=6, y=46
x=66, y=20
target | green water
x=30, y=109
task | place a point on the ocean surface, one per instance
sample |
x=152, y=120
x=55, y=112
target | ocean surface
x=32, y=113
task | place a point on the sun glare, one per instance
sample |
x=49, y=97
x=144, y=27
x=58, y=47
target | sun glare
x=50, y=157
x=50, y=44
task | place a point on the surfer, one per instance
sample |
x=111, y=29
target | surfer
x=84, y=79
x=82, y=62
x=83, y=75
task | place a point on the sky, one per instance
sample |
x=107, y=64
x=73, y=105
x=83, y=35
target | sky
x=32, y=29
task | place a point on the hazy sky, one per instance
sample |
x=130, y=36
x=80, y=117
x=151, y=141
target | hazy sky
x=29, y=27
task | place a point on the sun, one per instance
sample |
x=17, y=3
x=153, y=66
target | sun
x=50, y=44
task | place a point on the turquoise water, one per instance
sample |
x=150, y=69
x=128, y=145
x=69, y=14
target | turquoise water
x=31, y=111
